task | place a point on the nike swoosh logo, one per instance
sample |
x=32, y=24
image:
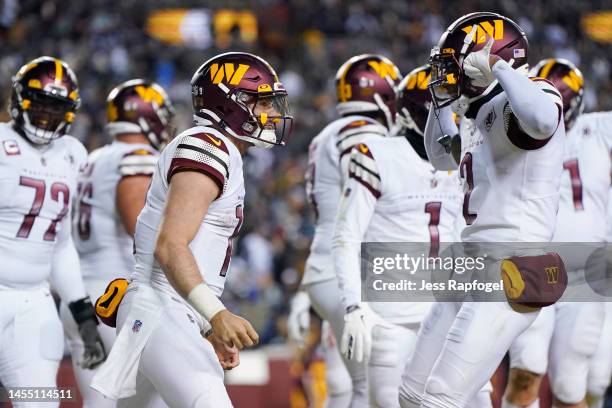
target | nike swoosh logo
x=216, y=142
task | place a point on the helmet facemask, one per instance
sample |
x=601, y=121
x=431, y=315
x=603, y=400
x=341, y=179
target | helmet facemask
x=43, y=116
x=269, y=119
x=446, y=76
x=575, y=109
x=267, y=123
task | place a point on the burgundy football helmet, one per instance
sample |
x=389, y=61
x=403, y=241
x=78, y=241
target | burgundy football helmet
x=414, y=99
x=227, y=89
x=569, y=81
x=140, y=106
x=365, y=84
x=449, y=81
x=44, y=99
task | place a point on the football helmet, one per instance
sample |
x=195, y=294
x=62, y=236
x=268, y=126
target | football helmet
x=227, y=90
x=140, y=106
x=44, y=99
x=449, y=81
x=414, y=100
x=366, y=84
x=568, y=79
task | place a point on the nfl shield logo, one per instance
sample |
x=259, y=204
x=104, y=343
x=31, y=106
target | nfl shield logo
x=136, y=326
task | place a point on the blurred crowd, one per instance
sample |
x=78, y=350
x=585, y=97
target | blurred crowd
x=106, y=42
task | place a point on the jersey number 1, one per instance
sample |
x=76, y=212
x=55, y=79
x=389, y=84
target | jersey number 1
x=39, y=187
x=230, y=242
x=574, y=173
x=434, y=208
x=465, y=170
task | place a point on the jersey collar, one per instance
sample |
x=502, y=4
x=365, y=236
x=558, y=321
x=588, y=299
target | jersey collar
x=476, y=105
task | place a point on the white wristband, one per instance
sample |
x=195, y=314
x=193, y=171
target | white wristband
x=204, y=301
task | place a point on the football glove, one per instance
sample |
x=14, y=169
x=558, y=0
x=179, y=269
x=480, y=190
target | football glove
x=476, y=65
x=85, y=316
x=356, y=343
x=298, y=322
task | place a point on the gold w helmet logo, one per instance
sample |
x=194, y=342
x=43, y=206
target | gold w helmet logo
x=227, y=72
x=384, y=69
x=149, y=94
x=418, y=80
x=493, y=29
x=573, y=80
x=552, y=274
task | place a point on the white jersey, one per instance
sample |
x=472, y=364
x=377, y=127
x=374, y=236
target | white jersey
x=104, y=246
x=511, y=180
x=37, y=185
x=328, y=156
x=609, y=217
x=392, y=195
x=585, y=185
x=205, y=150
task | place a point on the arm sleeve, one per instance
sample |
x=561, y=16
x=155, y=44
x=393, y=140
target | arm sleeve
x=355, y=211
x=66, y=276
x=435, y=129
x=535, y=102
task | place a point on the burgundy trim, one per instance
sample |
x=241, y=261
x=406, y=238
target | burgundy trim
x=180, y=165
x=367, y=185
x=354, y=125
x=136, y=174
x=346, y=151
x=522, y=140
x=206, y=137
x=367, y=153
x=133, y=153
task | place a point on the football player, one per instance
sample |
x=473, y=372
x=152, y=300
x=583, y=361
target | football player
x=183, y=243
x=113, y=186
x=366, y=95
x=568, y=333
x=511, y=167
x=392, y=194
x=40, y=163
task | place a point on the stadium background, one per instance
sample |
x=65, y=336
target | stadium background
x=107, y=42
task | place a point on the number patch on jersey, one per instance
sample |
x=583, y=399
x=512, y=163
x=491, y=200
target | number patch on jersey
x=574, y=173
x=84, y=216
x=39, y=187
x=465, y=170
x=434, y=208
x=230, y=242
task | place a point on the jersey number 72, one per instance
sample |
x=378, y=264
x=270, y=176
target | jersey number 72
x=40, y=188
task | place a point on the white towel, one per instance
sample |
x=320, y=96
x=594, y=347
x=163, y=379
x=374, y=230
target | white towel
x=116, y=378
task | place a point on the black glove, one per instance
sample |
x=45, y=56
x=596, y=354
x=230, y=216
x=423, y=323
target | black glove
x=85, y=316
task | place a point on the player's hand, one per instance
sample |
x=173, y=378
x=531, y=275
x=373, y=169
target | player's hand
x=233, y=331
x=356, y=343
x=229, y=357
x=94, y=353
x=477, y=65
x=298, y=322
